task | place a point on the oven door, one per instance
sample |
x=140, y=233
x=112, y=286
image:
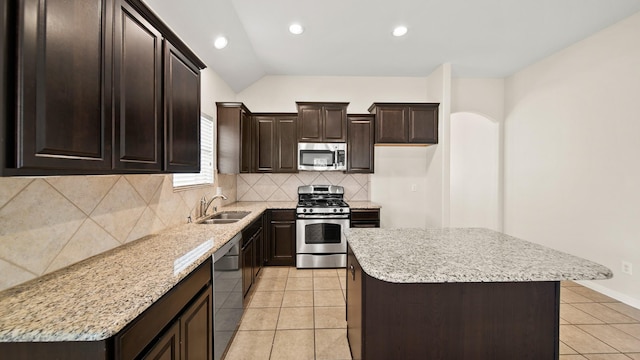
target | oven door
x=321, y=236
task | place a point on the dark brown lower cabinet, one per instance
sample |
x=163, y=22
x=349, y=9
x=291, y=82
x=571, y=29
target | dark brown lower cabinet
x=251, y=253
x=365, y=218
x=190, y=336
x=177, y=326
x=258, y=252
x=196, y=328
x=247, y=258
x=167, y=347
x=514, y=320
x=281, y=239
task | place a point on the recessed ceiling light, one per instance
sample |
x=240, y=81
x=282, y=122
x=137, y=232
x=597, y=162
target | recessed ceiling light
x=400, y=31
x=220, y=42
x=296, y=29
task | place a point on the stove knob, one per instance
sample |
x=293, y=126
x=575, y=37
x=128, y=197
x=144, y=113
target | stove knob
x=304, y=210
x=335, y=210
x=310, y=210
x=341, y=210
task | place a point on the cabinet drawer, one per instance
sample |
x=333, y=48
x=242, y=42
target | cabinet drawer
x=362, y=215
x=283, y=215
x=365, y=224
x=134, y=338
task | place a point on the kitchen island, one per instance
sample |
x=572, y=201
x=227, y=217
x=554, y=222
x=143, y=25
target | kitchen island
x=455, y=294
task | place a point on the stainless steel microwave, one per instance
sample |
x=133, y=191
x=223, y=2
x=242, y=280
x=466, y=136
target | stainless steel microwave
x=322, y=156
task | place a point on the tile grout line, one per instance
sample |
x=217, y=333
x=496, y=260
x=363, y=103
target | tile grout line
x=275, y=331
x=313, y=306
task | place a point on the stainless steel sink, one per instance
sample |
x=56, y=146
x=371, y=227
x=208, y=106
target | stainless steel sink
x=218, y=221
x=229, y=215
x=225, y=217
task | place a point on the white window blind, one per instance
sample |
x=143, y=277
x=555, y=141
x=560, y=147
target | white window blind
x=205, y=176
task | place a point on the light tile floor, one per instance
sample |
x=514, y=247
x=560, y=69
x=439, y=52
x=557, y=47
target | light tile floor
x=300, y=314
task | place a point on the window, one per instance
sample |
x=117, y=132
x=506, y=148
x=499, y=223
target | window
x=207, y=156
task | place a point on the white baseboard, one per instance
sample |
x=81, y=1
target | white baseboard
x=611, y=293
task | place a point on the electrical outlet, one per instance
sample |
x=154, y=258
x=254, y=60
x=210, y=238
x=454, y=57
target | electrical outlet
x=414, y=187
x=627, y=268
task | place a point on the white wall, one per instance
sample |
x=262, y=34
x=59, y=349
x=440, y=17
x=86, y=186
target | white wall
x=572, y=153
x=280, y=93
x=475, y=185
x=483, y=96
x=437, y=177
x=213, y=89
x=396, y=168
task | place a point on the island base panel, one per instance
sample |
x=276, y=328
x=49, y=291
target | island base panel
x=453, y=320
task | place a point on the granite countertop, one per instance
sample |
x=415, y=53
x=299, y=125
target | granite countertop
x=463, y=255
x=96, y=298
x=363, y=205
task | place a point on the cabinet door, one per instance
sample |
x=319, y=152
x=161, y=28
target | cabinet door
x=64, y=72
x=354, y=306
x=282, y=243
x=138, y=95
x=286, y=160
x=196, y=328
x=265, y=141
x=360, y=148
x=246, y=143
x=423, y=124
x=181, y=112
x=234, y=138
x=257, y=253
x=280, y=239
x=391, y=124
x=168, y=347
x=335, y=123
x=310, y=124
x=247, y=267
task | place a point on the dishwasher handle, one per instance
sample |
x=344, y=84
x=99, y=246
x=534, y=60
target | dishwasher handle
x=230, y=248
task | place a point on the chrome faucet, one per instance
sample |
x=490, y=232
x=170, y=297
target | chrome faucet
x=204, y=204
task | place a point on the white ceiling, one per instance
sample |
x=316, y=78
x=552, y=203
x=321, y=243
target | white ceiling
x=480, y=38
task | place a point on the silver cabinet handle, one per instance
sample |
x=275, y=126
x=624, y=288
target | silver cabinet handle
x=353, y=272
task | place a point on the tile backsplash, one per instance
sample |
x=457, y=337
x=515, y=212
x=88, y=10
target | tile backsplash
x=284, y=187
x=52, y=222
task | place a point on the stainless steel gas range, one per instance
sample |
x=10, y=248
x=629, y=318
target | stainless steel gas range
x=322, y=216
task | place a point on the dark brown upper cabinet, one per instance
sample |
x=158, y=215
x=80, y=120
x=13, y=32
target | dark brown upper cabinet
x=322, y=122
x=275, y=143
x=265, y=141
x=63, y=100
x=360, y=144
x=138, y=95
x=406, y=123
x=181, y=112
x=286, y=150
x=235, y=140
x=87, y=96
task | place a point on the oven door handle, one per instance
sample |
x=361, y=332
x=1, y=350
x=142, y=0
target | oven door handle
x=320, y=217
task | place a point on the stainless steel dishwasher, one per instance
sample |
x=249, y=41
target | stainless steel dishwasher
x=227, y=295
